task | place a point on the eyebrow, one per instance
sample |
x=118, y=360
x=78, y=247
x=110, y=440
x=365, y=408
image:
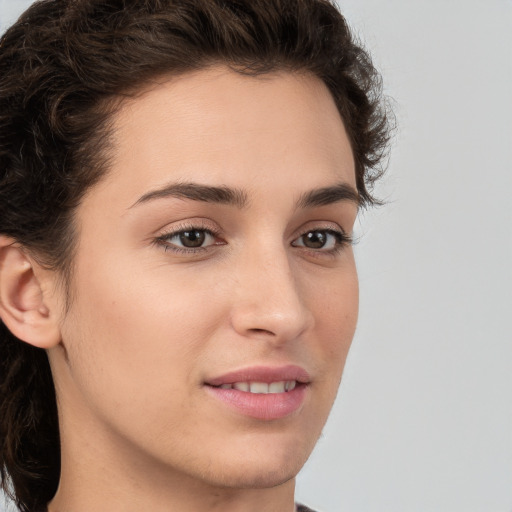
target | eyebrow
x=329, y=195
x=197, y=192
x=237, y=197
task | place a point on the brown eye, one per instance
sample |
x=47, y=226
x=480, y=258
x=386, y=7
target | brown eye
x=315, y=239
x=194, y=238
x=320, y=239
x=187, y=239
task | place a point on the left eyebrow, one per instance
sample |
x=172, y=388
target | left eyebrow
x=329, y=195
x=197, y=192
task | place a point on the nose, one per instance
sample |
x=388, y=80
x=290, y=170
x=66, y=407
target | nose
x=268, y=301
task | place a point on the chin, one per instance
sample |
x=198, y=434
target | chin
x=259, y=468
x=271, y=478
x=245, y=477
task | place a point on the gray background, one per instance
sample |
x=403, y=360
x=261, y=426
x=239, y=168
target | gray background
x=423, y=421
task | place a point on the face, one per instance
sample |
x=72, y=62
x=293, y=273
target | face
x=215, y=290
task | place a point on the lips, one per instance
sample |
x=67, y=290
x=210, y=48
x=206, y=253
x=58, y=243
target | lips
x=264, y=393
x=262, y=374
x=262, y=388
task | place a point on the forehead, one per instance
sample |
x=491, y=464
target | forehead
x=216, y=126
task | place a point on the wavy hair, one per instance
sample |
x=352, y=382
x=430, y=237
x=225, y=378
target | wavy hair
x=62, y=66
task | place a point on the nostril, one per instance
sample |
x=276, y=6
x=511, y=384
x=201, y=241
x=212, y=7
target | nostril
x=262, y=331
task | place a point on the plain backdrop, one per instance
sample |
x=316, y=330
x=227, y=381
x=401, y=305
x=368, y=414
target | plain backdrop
x=423, y=420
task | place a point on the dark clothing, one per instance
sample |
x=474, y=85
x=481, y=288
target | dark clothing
x=300, y=508
x=303, y=508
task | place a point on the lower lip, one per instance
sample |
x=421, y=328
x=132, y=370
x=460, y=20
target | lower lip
x=270, y=406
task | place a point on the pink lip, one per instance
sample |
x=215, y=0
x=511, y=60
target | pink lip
x=262, y=374
x=271, y=406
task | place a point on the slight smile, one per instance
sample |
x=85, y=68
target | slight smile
x=262, y=388
x=263, y=393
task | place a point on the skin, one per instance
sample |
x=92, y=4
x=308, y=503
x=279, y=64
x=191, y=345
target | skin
x=149, y=325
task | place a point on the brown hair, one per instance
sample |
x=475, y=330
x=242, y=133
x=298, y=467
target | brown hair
x=61, y=64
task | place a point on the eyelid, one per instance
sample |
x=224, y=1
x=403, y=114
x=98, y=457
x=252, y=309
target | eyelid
x=332, y=227
x=342, y=238
x=198, y=225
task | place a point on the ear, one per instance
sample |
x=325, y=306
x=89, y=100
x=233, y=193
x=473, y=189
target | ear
x=22, y=303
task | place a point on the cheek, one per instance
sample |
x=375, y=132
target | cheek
x=137, y=333
x=336, y=309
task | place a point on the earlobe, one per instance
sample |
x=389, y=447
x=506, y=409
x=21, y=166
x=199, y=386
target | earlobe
x=22, y=303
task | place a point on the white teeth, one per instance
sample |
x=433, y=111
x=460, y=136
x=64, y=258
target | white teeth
x=241, y=386
x=276, y=387
x=261, y=388
x=290, y=384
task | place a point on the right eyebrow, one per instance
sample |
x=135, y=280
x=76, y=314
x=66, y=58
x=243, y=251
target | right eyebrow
x=197, y=192
x=330, y=195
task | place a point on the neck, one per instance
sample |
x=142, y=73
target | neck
x=100, y=475
x=120, y=498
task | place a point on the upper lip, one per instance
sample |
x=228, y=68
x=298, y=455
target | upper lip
x=266, y=374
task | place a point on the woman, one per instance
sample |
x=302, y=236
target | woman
x=179, y=183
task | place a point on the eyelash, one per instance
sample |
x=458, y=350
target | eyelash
x=163, y=240
x=342, y=240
